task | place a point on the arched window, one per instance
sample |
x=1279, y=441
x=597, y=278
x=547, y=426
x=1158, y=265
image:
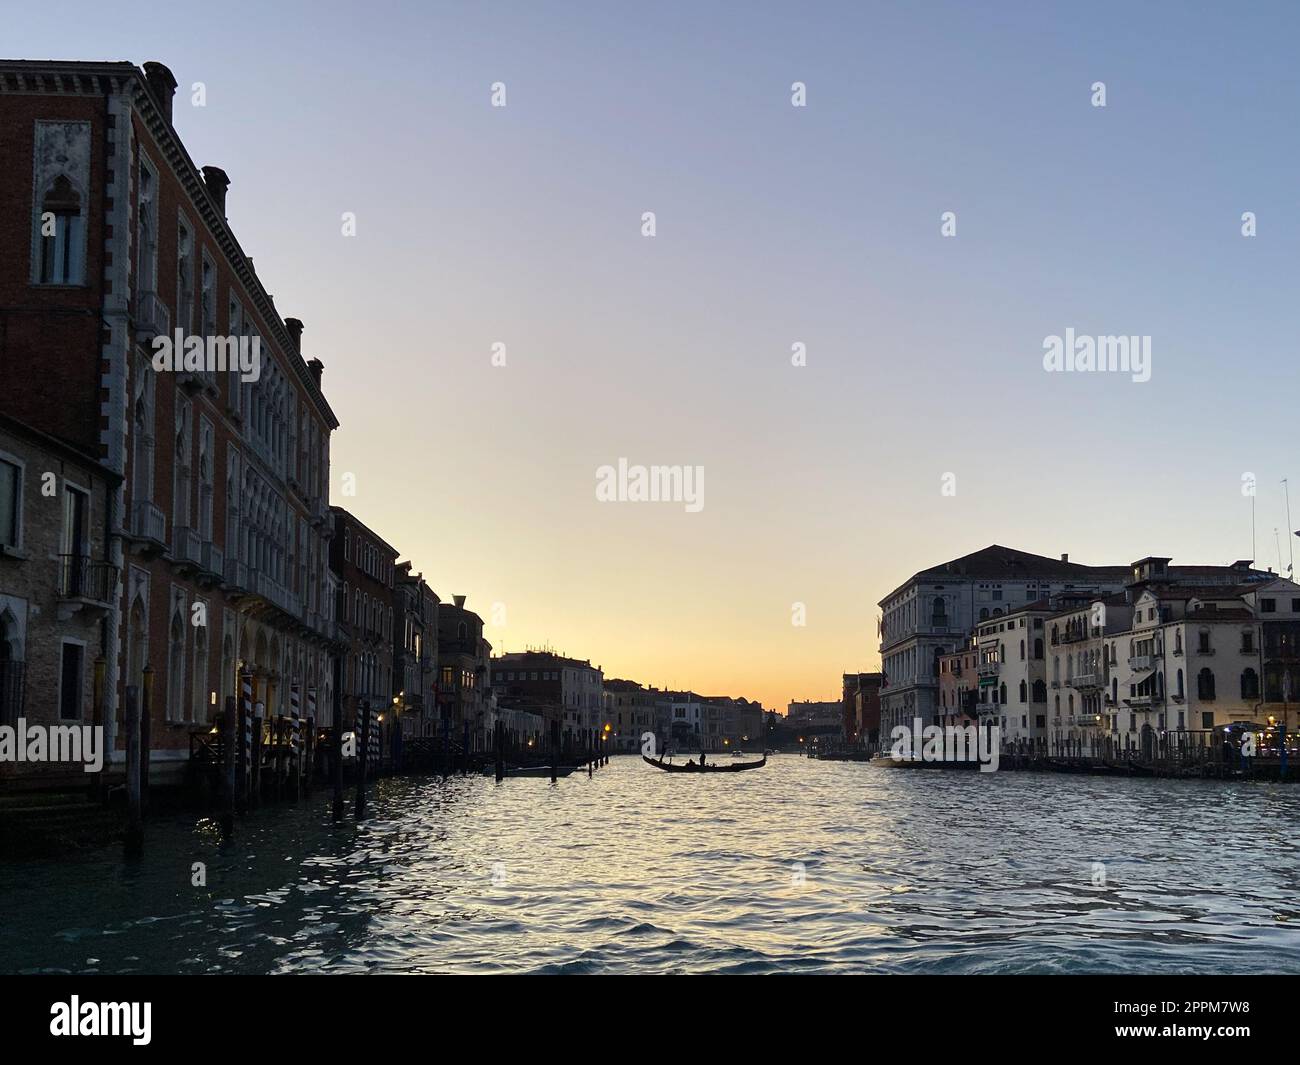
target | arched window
x=1178, y=679
x=1002, y=690
x=199, y=697
x=1038, y=648
x=1249, y=684
x=176, y=671
x=1040, y=691
x=1023, y=691
x=12, y=670
x=1203, y=641
x=938, y=611
x=1205, y=685
x=1022, y=655
x=62, y=235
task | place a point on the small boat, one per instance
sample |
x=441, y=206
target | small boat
x=737, y=754
x=532, y=771
x=695, y=767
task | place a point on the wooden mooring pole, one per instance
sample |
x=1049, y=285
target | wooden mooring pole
x=229, y=739
x=498, y=738
x=98, y=720
x=336, y=768
x=255, y=783
x=244, y=755
x=363, y=754
x=146, y=722
x=295, y=743
x=278, y=734
x=134, y=828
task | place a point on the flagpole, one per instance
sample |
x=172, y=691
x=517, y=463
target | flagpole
x=1290, y=551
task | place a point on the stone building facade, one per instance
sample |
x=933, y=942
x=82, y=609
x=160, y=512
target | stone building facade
x=56, y=586
x=218, y=529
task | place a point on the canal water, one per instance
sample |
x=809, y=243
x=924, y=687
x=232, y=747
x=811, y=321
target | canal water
x=803, y=866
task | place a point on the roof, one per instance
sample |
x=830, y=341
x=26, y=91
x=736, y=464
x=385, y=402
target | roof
x=545, y=656
x=354, y=520
x=1183, y=592
x=1232, y=613
x=996, y=562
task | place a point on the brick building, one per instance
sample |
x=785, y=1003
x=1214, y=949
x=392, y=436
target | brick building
x=365, y=568
x=861, y=707
x=415, y=651
x=631, y=712
x=567, y=690
x=465, y=696
x=218, y=529
x=56, y=586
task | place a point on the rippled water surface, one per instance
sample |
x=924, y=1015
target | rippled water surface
x=799, y=867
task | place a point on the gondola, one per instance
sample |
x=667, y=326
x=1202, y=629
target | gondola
x=695, y=767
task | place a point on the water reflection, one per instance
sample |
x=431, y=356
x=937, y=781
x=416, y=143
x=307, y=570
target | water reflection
x=802, y=866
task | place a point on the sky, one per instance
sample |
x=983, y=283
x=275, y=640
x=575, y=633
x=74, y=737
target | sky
x=775, y=225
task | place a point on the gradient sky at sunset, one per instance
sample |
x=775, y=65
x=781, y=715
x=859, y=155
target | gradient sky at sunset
x=776, y=225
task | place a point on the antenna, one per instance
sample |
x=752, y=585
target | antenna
x=1254, y=551
x=1290, y=551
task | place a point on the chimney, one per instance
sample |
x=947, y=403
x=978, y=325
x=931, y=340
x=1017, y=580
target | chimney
x=459, y=600
x=317, y=368
x=163, y=86
x=217, y=182
x=1065, y=558
x=294, y=325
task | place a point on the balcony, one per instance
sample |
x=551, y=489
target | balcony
x=236, y=575
x=1086, y=681
x=212, y=560
x=1141, y=663
x=85, y=584
x=148, y=526
x=277, y=595
x=988, y=669
x=152, y=318
x=187, y=548
x=318, y=512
